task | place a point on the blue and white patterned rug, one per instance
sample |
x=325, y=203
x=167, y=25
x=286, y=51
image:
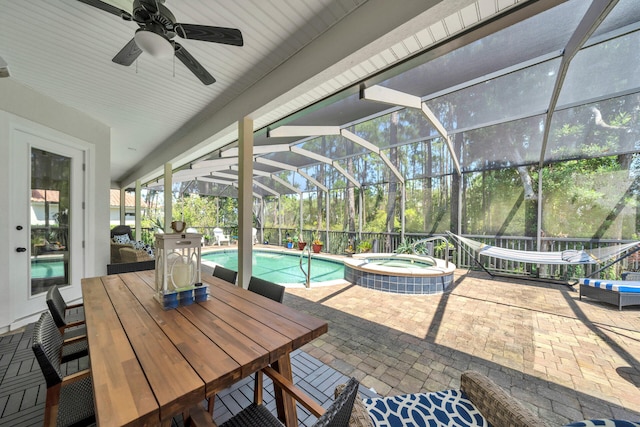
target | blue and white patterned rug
x=441, y=408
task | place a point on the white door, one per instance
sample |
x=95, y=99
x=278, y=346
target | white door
x=47, y=221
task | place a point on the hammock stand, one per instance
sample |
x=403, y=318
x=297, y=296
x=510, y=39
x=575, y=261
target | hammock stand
x=568, y=257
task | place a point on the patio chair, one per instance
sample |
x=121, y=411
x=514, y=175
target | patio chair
x=267, y=289
x=254, y=235
x=337, y=415
x=69, y=323
x=274, y=292
x=220, y=237
x=192, y=230
x=225, y=274
x=121, y=237
x=69, y=400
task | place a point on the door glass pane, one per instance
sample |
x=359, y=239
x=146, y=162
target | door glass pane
x=50, y=202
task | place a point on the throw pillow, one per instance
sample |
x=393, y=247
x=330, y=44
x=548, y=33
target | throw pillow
x=121, y=239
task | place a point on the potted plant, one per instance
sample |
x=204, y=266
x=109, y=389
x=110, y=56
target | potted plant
x=317, y=244
x=289, y=243
x=301, y=242
x=364, y=246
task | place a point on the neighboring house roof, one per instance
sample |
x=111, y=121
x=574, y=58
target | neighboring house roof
x=129, y=199
x=51, y=196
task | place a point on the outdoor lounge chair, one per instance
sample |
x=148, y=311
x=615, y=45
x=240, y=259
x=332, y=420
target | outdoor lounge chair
x=618, y=292
x=220, y=237
x=69, y=400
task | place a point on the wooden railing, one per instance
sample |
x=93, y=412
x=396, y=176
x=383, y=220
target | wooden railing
x=339, y=242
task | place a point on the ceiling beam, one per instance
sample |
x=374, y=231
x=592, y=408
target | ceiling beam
x=327, y=161
x=596, y=13
x=385, y=95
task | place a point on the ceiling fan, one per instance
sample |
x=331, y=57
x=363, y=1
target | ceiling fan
x=157, y=29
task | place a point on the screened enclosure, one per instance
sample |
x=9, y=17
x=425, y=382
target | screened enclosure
x=524, y=126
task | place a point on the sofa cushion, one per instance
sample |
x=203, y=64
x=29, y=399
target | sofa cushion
x=603, y=423
x=441, y=408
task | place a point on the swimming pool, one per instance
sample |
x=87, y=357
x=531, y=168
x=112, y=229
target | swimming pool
x=46, y=268
x=280, y=266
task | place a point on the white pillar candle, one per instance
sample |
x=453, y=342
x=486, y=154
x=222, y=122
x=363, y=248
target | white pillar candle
x=181, y=275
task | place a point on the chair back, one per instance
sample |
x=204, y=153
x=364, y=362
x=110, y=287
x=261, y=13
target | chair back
x=225, y=274
x=119, y=230
x=339, y=412
x=57, y=306
x=267, y=289
x=47, y=347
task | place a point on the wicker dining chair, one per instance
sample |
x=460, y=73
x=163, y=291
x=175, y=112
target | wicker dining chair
x=337, y=415
x=225, y=274
x=69, y=400
x=69, y=323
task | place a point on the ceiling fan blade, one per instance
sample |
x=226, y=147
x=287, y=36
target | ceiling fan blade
x=205, y=33
x=107, y=8
x=193, y=65
x=127, y=54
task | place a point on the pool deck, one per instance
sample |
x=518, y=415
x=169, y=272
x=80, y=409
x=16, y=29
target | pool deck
x=565, y=359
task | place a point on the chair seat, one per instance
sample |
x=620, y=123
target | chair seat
x=253, y=415
x=440, y=408
x=76, y=404
x=74, y=331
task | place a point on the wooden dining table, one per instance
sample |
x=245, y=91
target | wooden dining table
x=149, y=364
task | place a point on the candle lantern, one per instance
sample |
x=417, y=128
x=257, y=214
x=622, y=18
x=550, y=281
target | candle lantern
x=177, y=268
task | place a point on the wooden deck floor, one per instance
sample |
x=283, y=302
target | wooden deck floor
x=23, y=389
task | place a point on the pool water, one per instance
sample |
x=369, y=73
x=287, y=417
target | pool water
x=280, y=267
x=400, y=263
x=45, y=269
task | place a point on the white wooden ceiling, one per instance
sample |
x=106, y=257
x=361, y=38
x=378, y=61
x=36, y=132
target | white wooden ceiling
x=295, y=52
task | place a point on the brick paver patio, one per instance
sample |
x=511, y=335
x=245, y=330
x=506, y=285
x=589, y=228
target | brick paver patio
x=564, y=358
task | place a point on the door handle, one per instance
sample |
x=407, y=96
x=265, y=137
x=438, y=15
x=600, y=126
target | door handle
x=21, y=249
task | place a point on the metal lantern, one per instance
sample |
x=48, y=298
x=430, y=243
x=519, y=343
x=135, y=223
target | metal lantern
x=177, y=268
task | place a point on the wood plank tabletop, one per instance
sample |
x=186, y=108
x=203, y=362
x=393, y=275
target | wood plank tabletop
x=149, y=364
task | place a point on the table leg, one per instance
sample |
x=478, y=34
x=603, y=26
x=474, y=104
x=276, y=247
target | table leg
x=285, y=404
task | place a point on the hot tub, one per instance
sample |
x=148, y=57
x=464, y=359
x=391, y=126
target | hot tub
x=399, y=273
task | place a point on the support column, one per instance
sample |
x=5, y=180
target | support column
x=326, y=221
x=245, y=198
x=123, y=206
x=137, y=212
x=168, y=197
x=403, y=203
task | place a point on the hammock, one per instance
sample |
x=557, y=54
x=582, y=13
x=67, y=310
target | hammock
x=568, y=257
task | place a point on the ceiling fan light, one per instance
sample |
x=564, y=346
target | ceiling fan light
x=154, y=44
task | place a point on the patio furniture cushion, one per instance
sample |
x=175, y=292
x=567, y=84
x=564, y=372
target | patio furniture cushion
x=603, y=423
x=121, y=239
x=613, y=285
x=440, y=408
